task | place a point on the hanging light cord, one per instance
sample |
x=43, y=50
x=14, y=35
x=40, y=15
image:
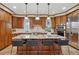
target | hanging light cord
x=48, y=9
x=26, y=9
x=37, y=9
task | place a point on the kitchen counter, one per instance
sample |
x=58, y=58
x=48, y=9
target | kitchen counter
x=38, y=44
x=31, y=36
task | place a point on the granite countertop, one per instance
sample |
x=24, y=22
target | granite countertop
x=28, y=36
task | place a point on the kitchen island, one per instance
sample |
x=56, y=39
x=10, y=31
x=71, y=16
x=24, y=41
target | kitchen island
x=38, y=44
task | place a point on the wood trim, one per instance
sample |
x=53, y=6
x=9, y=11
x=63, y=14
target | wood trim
x=72, y=12
x=4, y=47
x=74, y=47
x=7, y=8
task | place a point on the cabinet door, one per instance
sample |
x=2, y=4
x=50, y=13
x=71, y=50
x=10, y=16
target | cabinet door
x=63, y=20
x=58, y=21
x=2, y=14
x=14, y=22
x=19, y=23
x=2, y=34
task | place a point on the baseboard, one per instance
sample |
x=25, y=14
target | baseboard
x=74, y=47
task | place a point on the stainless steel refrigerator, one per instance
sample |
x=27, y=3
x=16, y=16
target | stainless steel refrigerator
x=72, y=31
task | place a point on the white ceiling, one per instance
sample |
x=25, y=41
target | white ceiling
x=54, y=8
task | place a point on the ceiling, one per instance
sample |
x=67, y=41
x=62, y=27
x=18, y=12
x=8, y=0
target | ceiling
x=54, y=8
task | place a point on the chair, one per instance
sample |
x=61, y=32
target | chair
x=48, y=43
x=33, y=45
x=32, y=42
x=64, y=43
x=16, y=43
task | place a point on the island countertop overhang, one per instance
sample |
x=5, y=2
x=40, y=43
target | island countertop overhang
x=28, y=36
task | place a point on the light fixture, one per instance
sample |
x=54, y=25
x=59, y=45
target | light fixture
x=25, y=17
x=14, y=7
x=48, y=18
x=26, y=12
x=37, y=18
x=48, y=11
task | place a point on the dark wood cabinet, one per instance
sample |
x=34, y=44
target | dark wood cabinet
x=5, y=34
x=41, y=22
x=17, y=22
x=5, y=29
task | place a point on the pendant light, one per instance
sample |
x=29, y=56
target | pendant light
x=48, y=11
x=26, y=11
x=48, y=21
x=37, y=18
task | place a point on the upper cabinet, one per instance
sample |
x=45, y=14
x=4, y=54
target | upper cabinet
x=2, y=15
x=5, y=16
x=41, y=22
x=63, y=19
x=58, y=20
x=73, y=15
x=17, y=22
x=53, y=22
x=5, y=29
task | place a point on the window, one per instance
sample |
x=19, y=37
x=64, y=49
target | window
x=26, y=25
x=48, y=25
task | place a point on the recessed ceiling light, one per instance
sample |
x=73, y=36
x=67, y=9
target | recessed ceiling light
x=53, y=12
x=24, y=11
x=14, y=7
x=64, y=8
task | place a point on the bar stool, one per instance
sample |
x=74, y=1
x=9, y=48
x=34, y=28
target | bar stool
x=32, y=42
x=33, y=46
x=48, y=42
x=16, y=43
x=64, y=43
x=47, y=47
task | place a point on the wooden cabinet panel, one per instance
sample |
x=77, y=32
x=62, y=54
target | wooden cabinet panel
x=2, y=15
x=14, y=22
x=2, y=34
x=74, y=37
x=70, y=15
x=5, y=29
x=58, y=21
x=63, y=19
x=20, y=22
x=5, y=32
x=41, y=22
x=53, y=22
x=17, y=22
